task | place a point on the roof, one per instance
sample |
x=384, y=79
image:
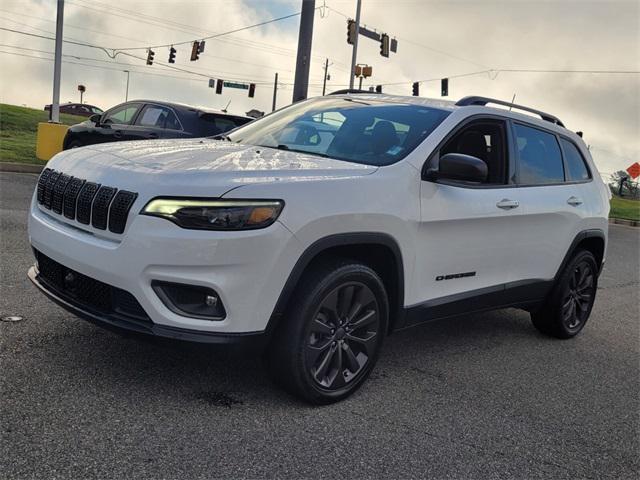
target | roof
x=479, y=104
x=186, y=106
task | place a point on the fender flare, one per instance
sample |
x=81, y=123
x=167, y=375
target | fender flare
x=580, y=237
x=338, y=240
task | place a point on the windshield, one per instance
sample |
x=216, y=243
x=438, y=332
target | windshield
x=366, y=131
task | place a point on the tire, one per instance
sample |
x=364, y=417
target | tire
x=331, y=335
x=569, y=305
x=74, y=144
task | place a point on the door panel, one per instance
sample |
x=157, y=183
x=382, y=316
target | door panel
x=464, y=231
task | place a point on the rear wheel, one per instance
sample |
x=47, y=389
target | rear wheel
x=570, y=303
x=331, y=336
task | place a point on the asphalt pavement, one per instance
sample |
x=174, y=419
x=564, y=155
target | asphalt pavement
x=482, y=396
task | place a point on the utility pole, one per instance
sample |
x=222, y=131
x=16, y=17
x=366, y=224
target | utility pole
x=54, y=113
x=326, y=73
x=303, y=61
x=354, y=53
x=275, y=92
x=126, y=94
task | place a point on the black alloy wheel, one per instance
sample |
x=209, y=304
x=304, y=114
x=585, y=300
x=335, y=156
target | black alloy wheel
x=569, y=304
x=341, y=338
x=330, y=337
x=579, y=296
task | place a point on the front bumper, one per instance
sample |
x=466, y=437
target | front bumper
x=247, y=269
x=120, y=323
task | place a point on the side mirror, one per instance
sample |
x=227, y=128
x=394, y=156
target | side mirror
x=95, y=118
x=458, y=166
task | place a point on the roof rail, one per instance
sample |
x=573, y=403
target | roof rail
x=474, y=100
x=351, y=90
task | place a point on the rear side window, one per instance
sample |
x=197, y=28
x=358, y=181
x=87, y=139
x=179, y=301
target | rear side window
x=159, y=117
x=539, y=157
x=217, y=124
x=576, y=168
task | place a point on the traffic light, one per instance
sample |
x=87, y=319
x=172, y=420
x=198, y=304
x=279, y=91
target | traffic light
x=195, y=51
x=252, y=90
x=444, y=87
x=172, y=55
x=384, y=45
x=150, y=54
x=219, y=86
x=416, y=89
x=378, y=88
x=201, y=46
x=212, y=83
x=351, y=31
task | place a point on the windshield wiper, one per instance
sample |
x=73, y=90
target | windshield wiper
x=221, y=136
x=289, y=149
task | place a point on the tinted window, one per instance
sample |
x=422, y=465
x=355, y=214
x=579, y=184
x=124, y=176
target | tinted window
x=159, y=117
x=484, y=140
x=576, y=168
x=357, y=129
x=122, y=115
x=540, y=160
x=216, y=124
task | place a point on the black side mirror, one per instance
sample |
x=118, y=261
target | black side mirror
x=458, y=166
x=95, y=118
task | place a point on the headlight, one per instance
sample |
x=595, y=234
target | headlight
x=215, y=214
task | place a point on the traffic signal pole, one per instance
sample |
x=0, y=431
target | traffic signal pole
x=54, y=113
x=275, y=92
x=354, y=53
x=303, y=61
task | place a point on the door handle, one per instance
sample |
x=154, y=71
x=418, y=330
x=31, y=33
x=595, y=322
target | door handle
x=117, y=134
x=574, y=201
x=507, y=204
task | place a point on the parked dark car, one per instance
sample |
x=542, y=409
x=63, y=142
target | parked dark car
x=147, y=119
x=81, y=109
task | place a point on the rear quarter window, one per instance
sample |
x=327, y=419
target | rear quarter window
x=577, y=170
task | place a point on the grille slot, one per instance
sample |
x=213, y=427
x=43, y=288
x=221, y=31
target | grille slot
x=85, y=198
x=88, y=293
x=42, y=181
x=100, y=210
x=120, y=210
x=86, y=202
x=48, y=188
x=71, y=196
x=58, y=192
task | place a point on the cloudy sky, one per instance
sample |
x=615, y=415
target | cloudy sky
x=472, y=42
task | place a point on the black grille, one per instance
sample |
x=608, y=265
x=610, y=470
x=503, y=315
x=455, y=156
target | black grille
x=120, y=210
x=48, y=188
x=42, y=181
x=85, y=198
x=70, y=197
x=58, y=192
x=86, y=202
x=88, y=293
x=101, y=207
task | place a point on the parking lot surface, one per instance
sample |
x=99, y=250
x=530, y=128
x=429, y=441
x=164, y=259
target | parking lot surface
x=482, y=396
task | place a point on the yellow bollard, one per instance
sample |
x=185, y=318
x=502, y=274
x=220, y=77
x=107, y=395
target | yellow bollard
x=49, y=139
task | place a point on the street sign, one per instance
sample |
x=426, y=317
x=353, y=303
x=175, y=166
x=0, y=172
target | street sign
x=634, y=170
x=241, y=86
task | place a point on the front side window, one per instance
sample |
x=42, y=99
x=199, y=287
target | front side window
x=122, y=115
x=158, y=117
x=486, y=140
x=539, y=157
x=576, y=168
x=361, y=130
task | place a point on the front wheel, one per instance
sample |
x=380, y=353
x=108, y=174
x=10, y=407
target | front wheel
x=571, y=300
x=331, y=335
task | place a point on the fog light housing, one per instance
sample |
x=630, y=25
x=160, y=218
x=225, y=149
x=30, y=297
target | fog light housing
x=192, y=301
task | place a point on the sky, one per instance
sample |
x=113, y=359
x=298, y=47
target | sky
x=472, y=42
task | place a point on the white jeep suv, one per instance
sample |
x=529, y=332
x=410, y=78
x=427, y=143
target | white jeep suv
x=314, y=232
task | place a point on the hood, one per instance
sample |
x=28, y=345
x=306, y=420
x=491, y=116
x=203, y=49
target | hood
x=205, y=166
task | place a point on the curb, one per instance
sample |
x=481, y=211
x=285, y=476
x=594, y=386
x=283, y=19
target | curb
x=20, y=167
x=622, y=221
